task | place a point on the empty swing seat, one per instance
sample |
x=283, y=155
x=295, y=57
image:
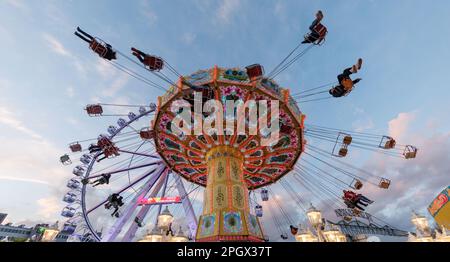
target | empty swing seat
x=65, y=160
x=343, y=152
x=384, y=183
x=410, y=152
x=387, y=142
x=357, y=184
x=75, y=147
x=255, y=71
x=94, y=110
x=347, y=140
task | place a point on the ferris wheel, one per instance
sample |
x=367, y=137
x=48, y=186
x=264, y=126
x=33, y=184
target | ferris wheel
x=145, y=163
x=119, y=171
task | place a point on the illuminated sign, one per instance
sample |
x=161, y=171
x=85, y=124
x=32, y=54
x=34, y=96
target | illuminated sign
x=439, y=202
x=159, y=201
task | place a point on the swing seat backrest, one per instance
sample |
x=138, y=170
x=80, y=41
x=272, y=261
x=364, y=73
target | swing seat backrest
x=358, y=185
x=98, y=48
x=255, y=71
x=321, y=30
x=154, y=63
x=347, y=140
x=343, y=152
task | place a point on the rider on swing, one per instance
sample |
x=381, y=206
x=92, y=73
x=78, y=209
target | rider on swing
x=104, y=51
x=152, y=62
x=318, y=31
x=345, y=82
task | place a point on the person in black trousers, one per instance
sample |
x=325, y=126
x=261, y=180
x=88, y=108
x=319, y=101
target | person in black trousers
x=104, y=51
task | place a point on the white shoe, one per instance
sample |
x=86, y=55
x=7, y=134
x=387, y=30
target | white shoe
x=359, y=63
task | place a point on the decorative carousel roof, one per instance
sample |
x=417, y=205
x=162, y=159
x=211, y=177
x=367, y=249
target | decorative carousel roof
x=263, y=165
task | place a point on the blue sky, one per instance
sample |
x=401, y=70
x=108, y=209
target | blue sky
x=47, y=76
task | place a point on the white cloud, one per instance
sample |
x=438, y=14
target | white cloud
x=116, y=86
x=56, y=46
x=105, y=69
x=8, y=118
x=399, y=125
x=148, y=13
x=49, y=208
x=280, y=9
x=364, y=122
x=188, y=38
x=415, y=182
x=70, y=91
x=226, y=10
x=27, y=180
x=19, y=4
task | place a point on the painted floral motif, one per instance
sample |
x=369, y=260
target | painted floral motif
x=232, y=223
x=208, y=225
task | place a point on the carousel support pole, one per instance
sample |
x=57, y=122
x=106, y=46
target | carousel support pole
x=131, y=233
x=162, y=194
x=187, y=205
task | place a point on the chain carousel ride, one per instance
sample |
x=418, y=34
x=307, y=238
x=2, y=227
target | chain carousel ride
x=207, y=171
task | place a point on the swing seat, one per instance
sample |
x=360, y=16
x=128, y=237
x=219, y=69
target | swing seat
x=65, y=160
x=154, y=63
x=147, y=134
x=387, y=142
x=356, y=211
x=255, y=71
x=343, y=152
x=75, y=147
x=94, y=110
x=318, y=34
x=357, y=184
x=384, y=183
x=347, y=140
x=99, y=47
x=410, y=152
x=108, y=147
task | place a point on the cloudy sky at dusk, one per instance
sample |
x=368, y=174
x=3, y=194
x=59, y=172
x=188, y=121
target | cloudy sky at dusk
x=47, y=76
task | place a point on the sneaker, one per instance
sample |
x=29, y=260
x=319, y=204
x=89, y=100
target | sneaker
x=359, y=63
x=354, y=69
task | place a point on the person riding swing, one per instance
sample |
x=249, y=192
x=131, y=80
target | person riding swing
x=318, y=31
x=346, y=84
x=104, y=50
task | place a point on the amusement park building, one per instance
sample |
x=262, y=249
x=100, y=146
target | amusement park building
x=10, y=232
